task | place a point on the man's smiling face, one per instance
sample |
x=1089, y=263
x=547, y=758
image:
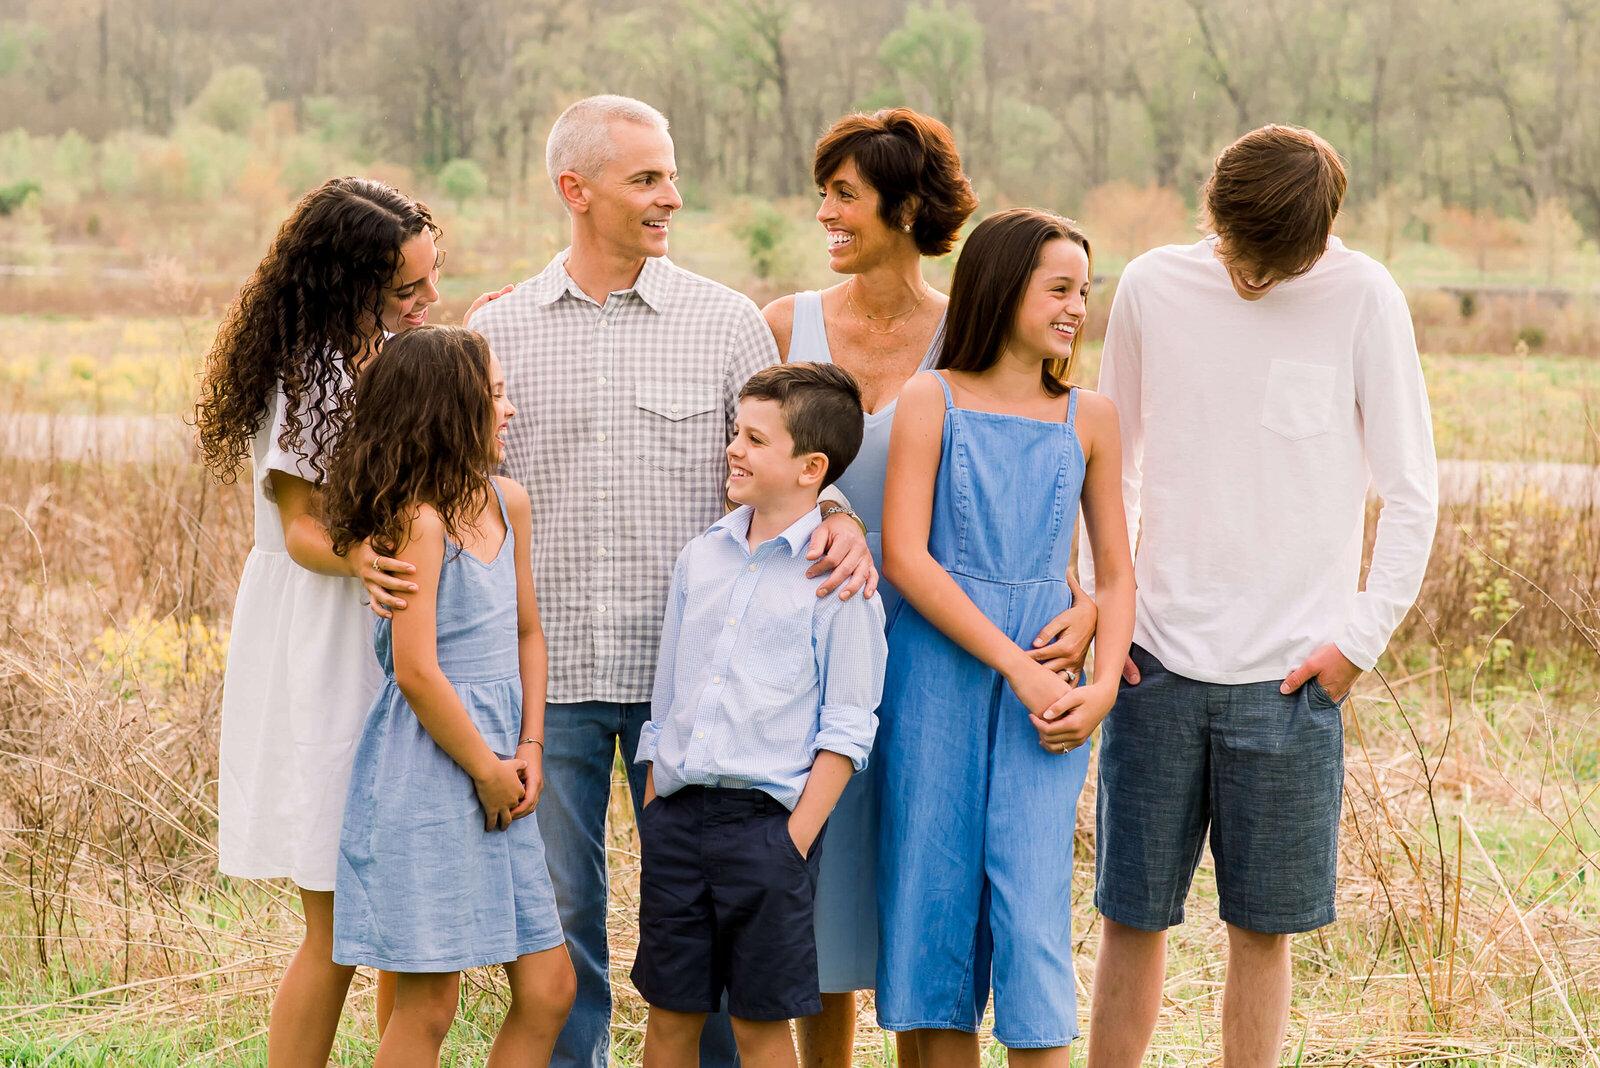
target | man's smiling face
x=632, y=200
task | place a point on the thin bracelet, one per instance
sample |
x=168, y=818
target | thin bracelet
x=535, y=741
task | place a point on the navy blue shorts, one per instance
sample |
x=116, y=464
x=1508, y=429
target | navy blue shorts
x=725, y=904
x=1262, y=771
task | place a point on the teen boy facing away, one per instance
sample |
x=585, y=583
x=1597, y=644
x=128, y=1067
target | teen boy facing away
x=763, y=708
x=1262, y=375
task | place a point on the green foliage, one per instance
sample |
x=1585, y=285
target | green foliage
x=936, y=49
x=13, y=196
x=765, y=233
x=18, y=42
x=232, y=100
x=463, y=180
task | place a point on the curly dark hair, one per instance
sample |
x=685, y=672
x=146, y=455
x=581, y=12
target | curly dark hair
x=312, y=305
x=903, y=154
x=421, y=431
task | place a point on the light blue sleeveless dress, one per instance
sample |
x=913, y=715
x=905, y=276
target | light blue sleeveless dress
x=847, y=888
x=975, y=859
x=421, y=886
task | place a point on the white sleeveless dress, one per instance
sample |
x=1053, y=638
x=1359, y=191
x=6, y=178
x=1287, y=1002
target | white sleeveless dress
x=301, y=676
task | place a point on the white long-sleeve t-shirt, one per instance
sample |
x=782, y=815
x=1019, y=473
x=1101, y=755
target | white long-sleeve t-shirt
x=1250, y=433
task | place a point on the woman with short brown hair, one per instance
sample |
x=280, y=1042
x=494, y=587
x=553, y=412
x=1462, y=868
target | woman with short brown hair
x=893, y=191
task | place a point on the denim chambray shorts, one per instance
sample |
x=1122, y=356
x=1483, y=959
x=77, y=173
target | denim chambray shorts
x=1263, y=771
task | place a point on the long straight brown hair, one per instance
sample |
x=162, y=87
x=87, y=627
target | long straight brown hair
x=996, y=262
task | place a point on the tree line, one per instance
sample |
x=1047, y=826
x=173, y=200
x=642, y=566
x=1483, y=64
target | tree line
x=1477, y=104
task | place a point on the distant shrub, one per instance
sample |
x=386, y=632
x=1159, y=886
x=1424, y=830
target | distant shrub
x=232, y=100
x=1476, y=234
x=463, y=180
x=1532, y=336
x=1124, y=220
x=13, y=195
x=763, y=229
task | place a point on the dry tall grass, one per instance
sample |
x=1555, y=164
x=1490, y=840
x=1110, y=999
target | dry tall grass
x=1470, y=919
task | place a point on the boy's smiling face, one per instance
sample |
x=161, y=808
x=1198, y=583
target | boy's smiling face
x=763, y=470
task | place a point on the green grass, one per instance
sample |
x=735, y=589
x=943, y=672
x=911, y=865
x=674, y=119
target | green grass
x=1515, y=408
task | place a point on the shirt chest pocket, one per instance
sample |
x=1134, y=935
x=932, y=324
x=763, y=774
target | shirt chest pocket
x=1299, y=399
x=778, y=651
x=679, y=426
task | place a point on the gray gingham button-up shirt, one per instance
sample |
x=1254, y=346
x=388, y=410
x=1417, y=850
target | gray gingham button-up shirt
x=623, y=412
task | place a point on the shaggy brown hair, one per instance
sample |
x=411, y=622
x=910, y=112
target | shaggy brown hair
x=421, y=431
x=996, y=263
x=1272, y=199
x=821, y=406
x=906, y=156
x=312, y=305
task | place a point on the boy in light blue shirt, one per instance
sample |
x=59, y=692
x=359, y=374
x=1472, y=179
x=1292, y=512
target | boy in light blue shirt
x=764, y=706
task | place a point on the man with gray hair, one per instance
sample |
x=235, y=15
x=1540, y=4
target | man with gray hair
x=626, y=370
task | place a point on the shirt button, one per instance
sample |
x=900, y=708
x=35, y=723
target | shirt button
x=602, y=380
x=674, y=409
x=732, y=622
x=601, y=436
x=600, y=551
x=699, y=734
x=716, y=680
x=604, y=323
x=752, y=567
x=599, y=608
x=600, y=496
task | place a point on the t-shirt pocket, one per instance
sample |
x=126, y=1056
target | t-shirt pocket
x=1299, y=399
x=679, y=426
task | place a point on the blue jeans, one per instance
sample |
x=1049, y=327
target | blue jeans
x=580, y=750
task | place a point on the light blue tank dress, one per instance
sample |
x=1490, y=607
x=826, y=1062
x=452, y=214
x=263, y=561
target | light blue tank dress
x=421, y=886
x=847, y=887
x=975, y=845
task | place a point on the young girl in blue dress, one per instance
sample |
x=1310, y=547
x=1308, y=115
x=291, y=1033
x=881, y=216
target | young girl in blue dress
x=438, y=869
x=983, y=748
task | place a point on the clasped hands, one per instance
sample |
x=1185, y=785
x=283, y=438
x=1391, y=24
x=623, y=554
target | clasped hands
x=1063, y=713
x=509, y=788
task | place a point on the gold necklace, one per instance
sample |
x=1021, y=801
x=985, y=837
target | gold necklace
x=866, y=319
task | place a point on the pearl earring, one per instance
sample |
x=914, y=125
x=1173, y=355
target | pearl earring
x=906, y=228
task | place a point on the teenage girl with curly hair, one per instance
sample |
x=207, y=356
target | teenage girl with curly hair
x=354, y=261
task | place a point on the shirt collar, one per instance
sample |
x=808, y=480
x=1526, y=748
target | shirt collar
x=652, y=285
x=736, y=524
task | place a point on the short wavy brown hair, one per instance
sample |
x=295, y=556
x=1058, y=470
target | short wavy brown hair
x=421, y=431
x=1272, y=199
x=904, y=155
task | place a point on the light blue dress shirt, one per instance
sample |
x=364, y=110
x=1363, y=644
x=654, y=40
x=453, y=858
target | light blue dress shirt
x=757, y=673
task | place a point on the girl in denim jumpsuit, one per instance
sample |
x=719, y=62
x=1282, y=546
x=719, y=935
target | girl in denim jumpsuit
x=983, y=749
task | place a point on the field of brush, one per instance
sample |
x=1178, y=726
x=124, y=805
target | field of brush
x=1469, y=929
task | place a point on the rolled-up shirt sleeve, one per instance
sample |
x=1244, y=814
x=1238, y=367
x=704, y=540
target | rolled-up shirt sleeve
x=851, y=651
